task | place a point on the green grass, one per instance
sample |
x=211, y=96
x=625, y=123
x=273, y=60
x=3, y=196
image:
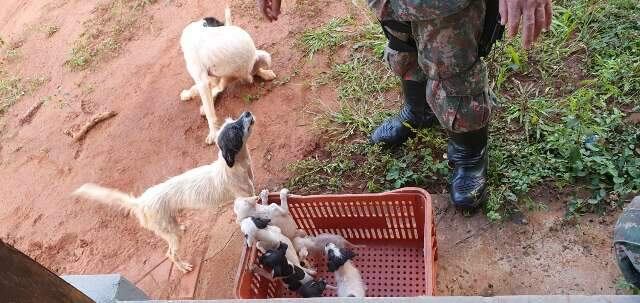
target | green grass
x=114, y=23
x=327, y=37
x=12, y=88
x=560, y=121
x=626, y=287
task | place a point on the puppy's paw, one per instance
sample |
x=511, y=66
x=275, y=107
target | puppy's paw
x=202, y=113
x=184, y=267
x=310, y=271
x=211, y=138
x=264, y=196
x=284, y=192
x=215, y=91
x=268, y=75
x=185, y=95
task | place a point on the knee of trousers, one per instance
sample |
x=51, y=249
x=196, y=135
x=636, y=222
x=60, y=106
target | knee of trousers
x=460, y=113
x=401, y=53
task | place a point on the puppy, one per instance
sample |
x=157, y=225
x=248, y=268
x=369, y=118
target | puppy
x=315, y=246
x=293, y=276
x=347, y=275
x=258, y=230
x=215, y=54
x=268, y=237
x=207, y=186
x=278, y=214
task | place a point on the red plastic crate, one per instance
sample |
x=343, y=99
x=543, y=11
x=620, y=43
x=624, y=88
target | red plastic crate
x=397, y=227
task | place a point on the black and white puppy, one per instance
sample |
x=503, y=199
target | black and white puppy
x=347, y=275
x=293, y=276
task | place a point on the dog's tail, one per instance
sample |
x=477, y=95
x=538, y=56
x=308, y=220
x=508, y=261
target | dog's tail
x=107, y=196
x=227, y=16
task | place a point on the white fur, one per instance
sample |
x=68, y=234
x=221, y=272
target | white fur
x=348, y=278
x=215, y=56
x=206, y=186
x=279, y=214
x=315, y=245
x=268, y=238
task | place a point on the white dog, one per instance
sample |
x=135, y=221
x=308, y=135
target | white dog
x=347, y=275
x=216, y=54
x=207, y=186
x=279, y=215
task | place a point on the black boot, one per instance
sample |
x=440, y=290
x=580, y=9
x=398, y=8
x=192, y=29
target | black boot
x=468, y=154
x=416, y=112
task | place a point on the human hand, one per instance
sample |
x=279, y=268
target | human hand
x=535, y=14
x=269, y=8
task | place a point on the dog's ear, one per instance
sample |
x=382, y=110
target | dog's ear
x=229, y=157
x=270, y=258
x=260, y=223
x=312, y=289
x=211, y=22
x=332, y=261
x=282, y=270
x=230, y=141
x=347, y=254
x=335, y=261
x=283, y=247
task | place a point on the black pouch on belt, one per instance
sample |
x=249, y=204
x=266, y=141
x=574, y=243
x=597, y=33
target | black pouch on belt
x=492, y=31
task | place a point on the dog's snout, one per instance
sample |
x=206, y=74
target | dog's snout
x=248, y=116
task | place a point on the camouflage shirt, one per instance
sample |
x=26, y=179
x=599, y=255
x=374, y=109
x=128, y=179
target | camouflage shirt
x=416, y=10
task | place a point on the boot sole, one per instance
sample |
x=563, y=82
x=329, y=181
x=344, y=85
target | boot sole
x=474, y=206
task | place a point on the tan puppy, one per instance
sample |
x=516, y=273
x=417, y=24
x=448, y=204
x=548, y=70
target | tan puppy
x=215, y=55
x=207, y=186
x=314, y=246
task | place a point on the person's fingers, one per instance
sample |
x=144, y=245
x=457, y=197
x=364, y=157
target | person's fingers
x=502, y=9
x=540, y=22
x=548, y=14
x=514, y=12
x=528, y=27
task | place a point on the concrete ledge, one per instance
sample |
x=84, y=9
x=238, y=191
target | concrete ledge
x=106, y=288
x=504, y=299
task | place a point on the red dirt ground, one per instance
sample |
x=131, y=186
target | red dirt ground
x=156, y=136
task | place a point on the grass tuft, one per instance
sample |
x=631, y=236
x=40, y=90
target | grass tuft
x=12, y=88
x=327, y=37
x=114, y=23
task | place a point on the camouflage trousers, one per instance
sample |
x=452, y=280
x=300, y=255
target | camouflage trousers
x=443, y=52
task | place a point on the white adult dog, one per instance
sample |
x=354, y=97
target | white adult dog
x=207, y=186
x=215, y=54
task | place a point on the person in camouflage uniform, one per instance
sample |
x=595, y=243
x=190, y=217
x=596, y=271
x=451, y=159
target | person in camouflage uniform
x=626, y=242
x=434, y=46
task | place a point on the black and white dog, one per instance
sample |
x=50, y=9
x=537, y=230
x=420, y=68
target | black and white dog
x=293, y=276
x=347, y=275
x=208, y=186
